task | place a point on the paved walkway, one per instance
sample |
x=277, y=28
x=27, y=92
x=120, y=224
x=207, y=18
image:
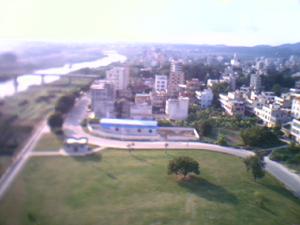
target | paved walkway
x=62, y=152
x=290, y=180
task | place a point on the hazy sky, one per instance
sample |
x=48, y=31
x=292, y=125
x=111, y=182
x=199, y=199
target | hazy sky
x=235, y=22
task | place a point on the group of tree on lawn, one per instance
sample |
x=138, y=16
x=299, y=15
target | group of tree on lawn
x=259, y=137
x=184, y=166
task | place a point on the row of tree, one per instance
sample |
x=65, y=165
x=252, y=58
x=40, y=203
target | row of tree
x=63, y=105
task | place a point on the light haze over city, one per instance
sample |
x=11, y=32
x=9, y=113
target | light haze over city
x=231, y=22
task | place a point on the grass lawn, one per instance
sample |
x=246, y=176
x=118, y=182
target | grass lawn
x=289, y=156
x=5, y=160
x=119, y=188
x=232, y=136
x=49, y=142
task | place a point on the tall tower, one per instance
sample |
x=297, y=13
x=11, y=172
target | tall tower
x=255, y=82
x=176, y=77
x=119, y=77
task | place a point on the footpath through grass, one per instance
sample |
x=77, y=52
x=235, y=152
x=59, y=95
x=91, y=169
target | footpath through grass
x=119, y=188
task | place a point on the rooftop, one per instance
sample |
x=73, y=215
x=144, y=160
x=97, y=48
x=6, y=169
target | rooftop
x=129, y=122
x=72, y=140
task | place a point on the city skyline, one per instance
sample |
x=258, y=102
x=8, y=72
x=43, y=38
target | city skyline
x=230, y=22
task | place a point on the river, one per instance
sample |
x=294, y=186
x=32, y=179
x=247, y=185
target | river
x=7, y=88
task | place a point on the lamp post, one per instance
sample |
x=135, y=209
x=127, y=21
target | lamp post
x=166, y=144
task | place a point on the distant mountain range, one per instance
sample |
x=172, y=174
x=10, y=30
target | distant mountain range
x=284, y=50
x=92, y=50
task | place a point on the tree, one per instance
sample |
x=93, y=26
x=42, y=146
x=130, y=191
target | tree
x=120, y=107
x=256, y=165
x=259, y=199
x=65, y=103
x=165, y=123
x=55, y=121
x=276, y=89
x=217, y=89
x=259, y=137
x=183, y=165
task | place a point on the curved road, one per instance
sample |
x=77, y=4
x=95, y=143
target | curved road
x=72, y=128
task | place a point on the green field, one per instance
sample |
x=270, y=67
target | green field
x=49, y=142
x=118, y=188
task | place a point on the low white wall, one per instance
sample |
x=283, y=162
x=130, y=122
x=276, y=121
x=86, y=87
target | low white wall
x=153, y=137
x=122, y=136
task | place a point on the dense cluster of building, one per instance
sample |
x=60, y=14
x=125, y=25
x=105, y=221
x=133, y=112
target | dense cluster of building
x=169, y=98
x=271, y=110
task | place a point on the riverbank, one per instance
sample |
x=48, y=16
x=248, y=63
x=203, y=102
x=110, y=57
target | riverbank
x=20, y=113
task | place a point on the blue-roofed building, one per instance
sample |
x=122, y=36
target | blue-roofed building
x=129, y=127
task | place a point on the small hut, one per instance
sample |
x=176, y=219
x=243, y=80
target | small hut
x=73, y=144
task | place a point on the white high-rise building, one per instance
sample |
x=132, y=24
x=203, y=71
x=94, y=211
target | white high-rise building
x=295, y=130
x=205, y=98
x=102, y=95
x=119, y=77
x=176, y=77
x=272, y=115
x=177, y=109
x=161, y=83
x=233, y=103
x=296, y=106
x=255, y=82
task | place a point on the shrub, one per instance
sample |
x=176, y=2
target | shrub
x=183, y=165
x=256, y=165
x=259, y=198
x=222, y=141
x=294, y=159
x=259, y=137
x=278, y=156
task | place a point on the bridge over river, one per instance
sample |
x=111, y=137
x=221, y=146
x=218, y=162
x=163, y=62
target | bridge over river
x=68, y=76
